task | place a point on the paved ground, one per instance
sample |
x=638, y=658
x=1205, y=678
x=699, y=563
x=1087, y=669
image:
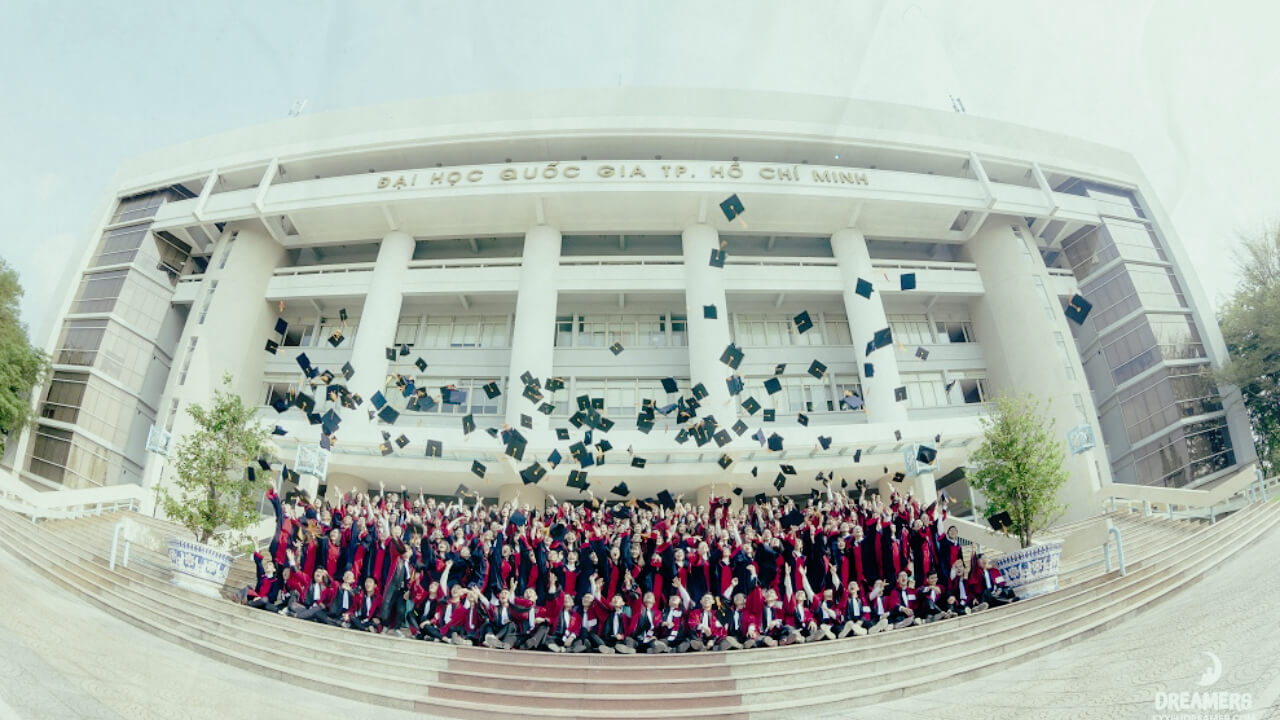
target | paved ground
x=62, y=658
x=1232, y=612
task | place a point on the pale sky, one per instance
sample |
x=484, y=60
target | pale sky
x=1191, y=88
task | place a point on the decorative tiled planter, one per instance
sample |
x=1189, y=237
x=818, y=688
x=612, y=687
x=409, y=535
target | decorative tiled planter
x=198, y=568
x=1032, y=571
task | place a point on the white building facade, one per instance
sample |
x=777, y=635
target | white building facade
x=496, y=235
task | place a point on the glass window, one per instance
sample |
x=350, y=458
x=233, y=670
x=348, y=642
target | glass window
x=1146, y=340
x=973, y=390
x=137, y=207
x=592, y=331
x=80, y=341
x=407, y=332
x=924, y=389
x=226, y=251
x=208, y=299
x=299, y=333
x=63, y=398
x=438, y=332
x=651, y=331
x=70, y=459
x=955, y=331
x=911, y=329
x=837, y=329
x=1187, y=454
x=186, y=362
x=564, y=331
x=98, y=291
x=120, y=245
x=493, y=331
x=1163, y=400
x=679, y=330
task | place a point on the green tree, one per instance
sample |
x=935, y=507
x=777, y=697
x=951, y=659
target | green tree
x=212, y=495
x=22, y=367
x=1018, y=468
x=1250, y=322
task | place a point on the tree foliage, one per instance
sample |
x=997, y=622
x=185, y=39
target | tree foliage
x=212, y=495
x=22, y=366
x=1250, y=322
x=1019, y=467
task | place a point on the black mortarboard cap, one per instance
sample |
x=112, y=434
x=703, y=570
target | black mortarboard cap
x=515, y=448
x=378, y=400
x=621, y=489
x=1000, y=521
x=732, y=356
x=386, y=435
x=926, y=455
x=922, y=353
x=331, y=421
x=279, y=403
x=700, y=391
x=584, y=402
x=554, y=384
x=434, y=448
x=669, y=385
x=898, y=477
x=724, y=462
x=770, y=414
x=779, y=368
x=577, y=480
x=272, y=346
x=751, y=405
x=737, y=491
x=491, y=390
x=281, y=326
x=404, y=350
x=526, y=421
x=644, y=423
x=772, y=385
x=780, y=482
x=825, y=442
x=305, y=402
x=562, y=433
x=527, y=378
x=897, y=435
x=342, y=314
x=817, y=369
x=717, y=258
x=907, y=281
x=863, y=288
x=279, y=431
x=336, y=338
x=739, y=428
x=493, y=431
x=303, y=361
x=761, y=498
x=385, y=448
x=787, y=469
x=388, y=415
x=803, y=419
x=900, y=393
x=604, y=445
x=250, y=473
x=883, y=337
x=348, y=370
x=682, y=436
x=857, y=455
x=665, y=499
x=616, y=348
x=1078, y=309
x=390, y=354
x=722, y=438
x=326, y=377
x=532, y=474
x=803, y=322
x=578, y=419
x=402, y=441
x=477, y=468
x=546, y=408
x=420, y=364
x=868, y=370
x=262, y=463
x=795, y=518
x=709, y=312
x=554, y=458
x=453, y=396
x=775, y=442
x=468, y=424
x=532, y=394
x=732, y=207
x=638, y=462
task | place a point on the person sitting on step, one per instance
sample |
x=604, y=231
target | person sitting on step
x=902, y=602
x=989, y=585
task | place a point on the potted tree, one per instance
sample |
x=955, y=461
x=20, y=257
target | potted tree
x=212, y=495
x=1018, y=469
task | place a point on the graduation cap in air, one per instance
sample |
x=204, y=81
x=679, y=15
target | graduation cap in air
x=922, y=353
x=378, y=400
x=775, y=442
x=1000, y=521
x=638, y=462
x=803, y=322
x=388, y=415
x=562, y=433
x=621, y=489
x=737, y=491
x=515, y=448
x=279, y=403
x=518, y=519
x=546, y=408
x=851, y=400
x=683, y=436
x=724, y=462
x=390, y=354
x=303, y=361
x=386, y=436
x=779, y=482
x=348, y=370
x=404, y=350
x=279, y=431
x=434, y=448
x=751, y=405
x=863, y=288
x=907, y=281
x=493, y=431
x=900, y=393
x=857, y=455
x=817, y=369
x=669, y=385
x=532, y=474
x=700, y=391
x=899, y=477
x=281, y=326
x=577, y=480
x=616, y=348
x=403, y=441
x=491, y=390
x=795, y=518
x=717, y=258
x=532, y=394
x=882, y=338
x=554, y=384
x=305, y=402
x=326, y=377
x=665, y=500
x=824, y=441
x=452, y=396
x=1078, y=309
x=779, y=368
x=739, y=428
x=732, y=207
x=803, y=419
x=926, y=455
x=468, y=424
x=554, y=458
x=732, y=356
x=604, y=445
x=770, y=414
x=772, y=385
x=761, y=498
x=897, y=435
x=272, y=346
x=336, y=338
x=384, y=448
x=644, y=423
x=722, y=438
x=331, y=421
x=709, y=312
x=526, y=422
x=251, y=473
x=787, y=469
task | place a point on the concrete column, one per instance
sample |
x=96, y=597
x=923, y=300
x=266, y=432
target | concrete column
x=533, y=335
x=379, y=317
x=310, y=484
x=520, y=495
x=1017, y=324
x=866, y=316
x=720, y=490
x=923, y=487
x=704, y=285
x=237, y=321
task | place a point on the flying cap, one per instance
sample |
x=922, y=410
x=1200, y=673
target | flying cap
x=751, y=405
x=817, y=369
x=709, y=312
x=434, y=448
x=907, y=281
x=732, y=207
x=803, y=322
x=863, y=288
x=1078, y=309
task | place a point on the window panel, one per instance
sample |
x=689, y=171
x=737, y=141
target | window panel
x=99, y=291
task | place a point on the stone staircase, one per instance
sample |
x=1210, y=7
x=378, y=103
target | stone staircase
x=1162, y=556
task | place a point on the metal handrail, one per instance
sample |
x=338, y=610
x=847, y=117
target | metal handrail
x=1106, y=548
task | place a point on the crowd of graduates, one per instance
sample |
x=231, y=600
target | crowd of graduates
x=620, y=577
